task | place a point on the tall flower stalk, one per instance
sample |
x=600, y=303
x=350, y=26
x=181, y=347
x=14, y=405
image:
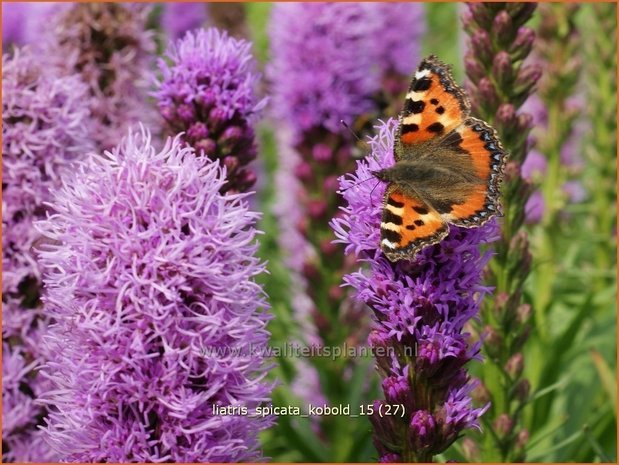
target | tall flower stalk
x=151, y=281
x=207, y=92
x=328, y=67
x=420, y=309
x=601, y=145
x=44, y=128
x=558, y=49
x=499, y=83
x=108, y=46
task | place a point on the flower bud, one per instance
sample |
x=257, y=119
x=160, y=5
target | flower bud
x=168, y=112
x=316, y=208
x=206, y=147
x=522, y=439
x=503, y=425
x=474, y=70
x=503, y=29
x=197, y=131
x=422, y=430
x=488, y=94
x=186, y=112
x=470, y=450
x=231, y=136
x=482, y=46
x=525, y=122
x=480, y=14
x=396, y=389
x=492, y=340
x=206, y=99
x=322, y=153
x=500, y=302
x=512, y=171
x=217, y=118
x=506, y=116
x=502, y=69
x=303, y=171
x=390, y=458
x=522, y=390
x=515, y=365
x=231, y=163
x=523, y=313
x=245, y=180
x=310, y=271
x=428, y=355
x=522, y=45
x=247, y=154
x=527, y=79
x=336, y=293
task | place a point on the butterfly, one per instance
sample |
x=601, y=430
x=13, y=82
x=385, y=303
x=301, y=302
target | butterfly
x=448, y=166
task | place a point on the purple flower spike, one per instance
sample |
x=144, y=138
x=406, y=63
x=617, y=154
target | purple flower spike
x=107, y=44
x=420, y=309
x=45, y=121
x=400, y=45
x=321, y=74
x=208, y=93
x=178, y=18
x=159, y=319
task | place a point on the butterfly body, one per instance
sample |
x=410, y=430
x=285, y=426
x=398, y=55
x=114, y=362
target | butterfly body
x=448, y=166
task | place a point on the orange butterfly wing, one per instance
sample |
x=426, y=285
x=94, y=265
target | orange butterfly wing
x=408, y=225
x=436, y=115
x=480, y=142
x=434, y=104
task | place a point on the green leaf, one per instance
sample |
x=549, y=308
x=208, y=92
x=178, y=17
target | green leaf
x=608, y=378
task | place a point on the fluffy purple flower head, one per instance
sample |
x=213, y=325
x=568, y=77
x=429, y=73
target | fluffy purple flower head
x=207, y=92
x=330, y=59
x=106, y=44
x=152, y=284
x=324, y=63
x=178, y=18
x=422, y=304
x=44, y=129
x=399, y=42
x=45, y=122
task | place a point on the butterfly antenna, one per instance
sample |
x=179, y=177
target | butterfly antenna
x=372, y=193
x=355, y=135
x=357, y=183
